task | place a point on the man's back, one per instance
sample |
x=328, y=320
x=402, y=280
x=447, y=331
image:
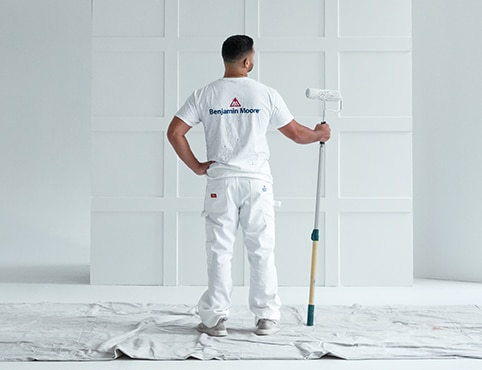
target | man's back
x=235, y=113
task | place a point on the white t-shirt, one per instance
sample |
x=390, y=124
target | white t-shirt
x=235, y=113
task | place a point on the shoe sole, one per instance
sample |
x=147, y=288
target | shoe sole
x=267, y=331
x=211, y=332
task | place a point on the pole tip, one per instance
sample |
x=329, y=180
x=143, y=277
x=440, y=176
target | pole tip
x=311, y=315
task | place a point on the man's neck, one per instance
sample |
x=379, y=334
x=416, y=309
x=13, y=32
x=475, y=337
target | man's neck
x=234, y=74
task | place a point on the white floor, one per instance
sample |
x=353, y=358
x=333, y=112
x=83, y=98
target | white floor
x=54, y=284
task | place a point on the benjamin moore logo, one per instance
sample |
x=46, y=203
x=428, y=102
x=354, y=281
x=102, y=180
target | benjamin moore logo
x=235, y=104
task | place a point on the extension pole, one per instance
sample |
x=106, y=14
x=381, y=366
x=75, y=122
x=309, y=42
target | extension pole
x=315, y=237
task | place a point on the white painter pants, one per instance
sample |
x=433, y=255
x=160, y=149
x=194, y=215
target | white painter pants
x=249, y=203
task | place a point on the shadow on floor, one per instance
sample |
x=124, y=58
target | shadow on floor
x=45, y=274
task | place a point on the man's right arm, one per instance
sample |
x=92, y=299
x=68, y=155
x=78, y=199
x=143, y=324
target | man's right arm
x=176, y=134
x=303, y=135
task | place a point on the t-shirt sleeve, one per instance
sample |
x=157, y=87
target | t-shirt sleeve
x=189, y=112
x=281, y=114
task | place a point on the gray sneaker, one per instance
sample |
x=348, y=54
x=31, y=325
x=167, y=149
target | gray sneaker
x=267, y=327
x=219, y=330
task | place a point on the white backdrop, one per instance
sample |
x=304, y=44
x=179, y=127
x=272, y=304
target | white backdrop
x=44, y=137
x=45, y=114
x=147, y=58
x=447, y=161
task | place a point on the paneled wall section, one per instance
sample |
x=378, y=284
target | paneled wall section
x=149, y=55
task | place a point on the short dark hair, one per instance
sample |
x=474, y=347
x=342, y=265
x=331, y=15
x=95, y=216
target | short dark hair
x=236, y=47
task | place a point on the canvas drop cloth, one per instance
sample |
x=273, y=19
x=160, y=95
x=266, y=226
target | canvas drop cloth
x=104, y=331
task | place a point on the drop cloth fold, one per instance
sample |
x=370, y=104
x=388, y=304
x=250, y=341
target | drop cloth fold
x=105, y=331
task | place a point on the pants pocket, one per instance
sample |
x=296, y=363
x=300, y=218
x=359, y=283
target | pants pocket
x=258, y=216
x=215, y=200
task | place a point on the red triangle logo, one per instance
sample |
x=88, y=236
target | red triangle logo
x=235, y=103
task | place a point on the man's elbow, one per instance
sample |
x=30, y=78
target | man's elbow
x=175, y=131
x=171, y=135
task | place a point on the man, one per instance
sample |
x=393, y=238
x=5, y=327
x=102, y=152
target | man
x=236, y=112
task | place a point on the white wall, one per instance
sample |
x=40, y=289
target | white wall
x=45, y=115
x=148, y=56
x=447, y=60
x=44, y=134
x=144, y=55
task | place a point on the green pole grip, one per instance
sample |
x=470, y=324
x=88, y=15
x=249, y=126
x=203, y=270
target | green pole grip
x=315, y=235
x=311, y=315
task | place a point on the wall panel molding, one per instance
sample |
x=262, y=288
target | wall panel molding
x=333, y=44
